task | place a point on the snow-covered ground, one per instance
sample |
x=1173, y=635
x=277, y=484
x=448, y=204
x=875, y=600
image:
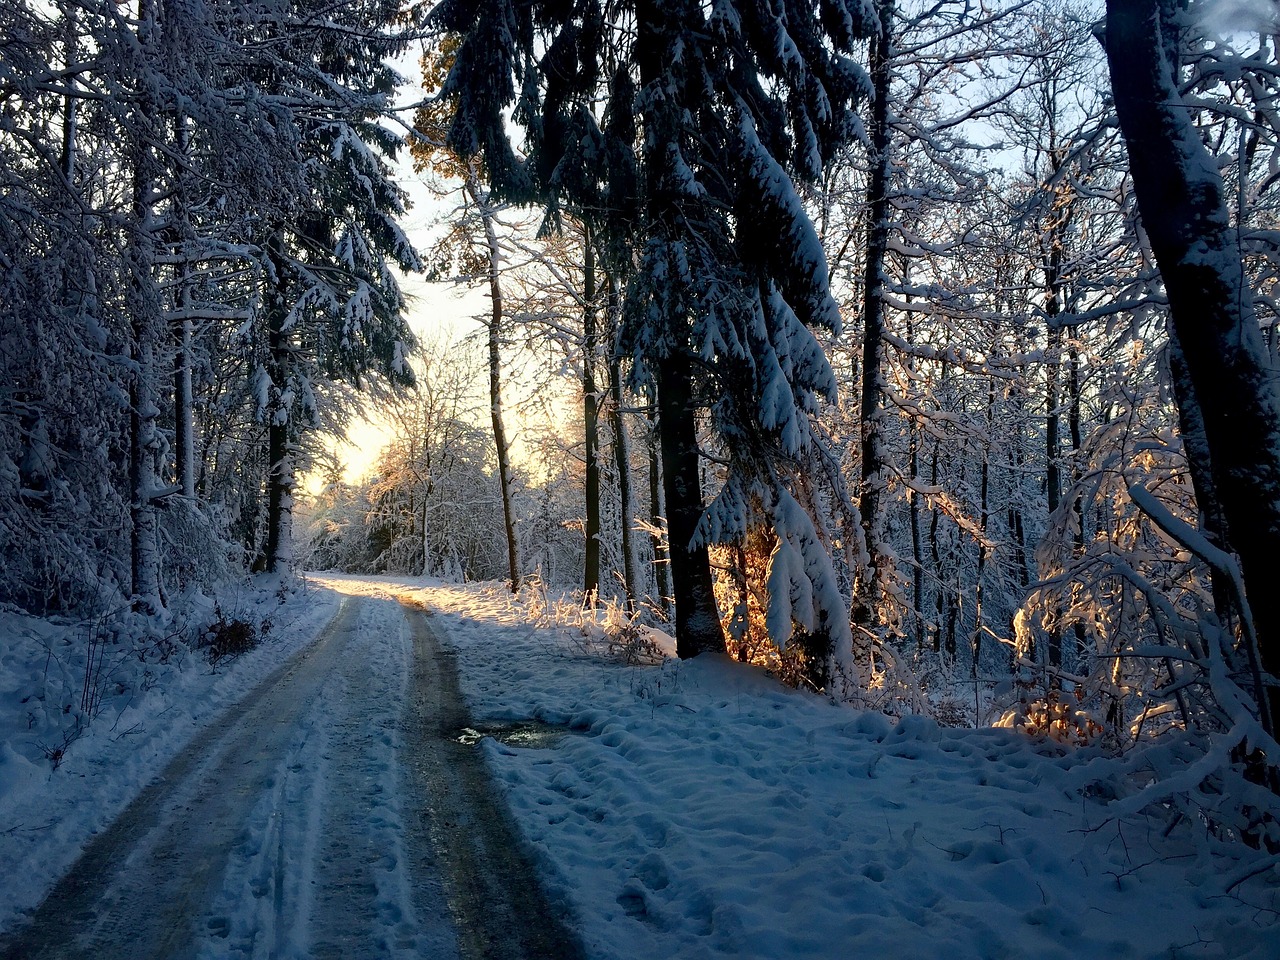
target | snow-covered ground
x=687, y=810
x=151, y=704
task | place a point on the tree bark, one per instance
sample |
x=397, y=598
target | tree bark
x=1180, y=197
x=622, y=458
x=143, y=305
x=658, y=45
x=870, y=496
x=495, y=372
x=277, y=555
x=984, y=517
x=183, y=328
x=657, y=513
x=697, y=618
x=590, y=419
x=1196, y=446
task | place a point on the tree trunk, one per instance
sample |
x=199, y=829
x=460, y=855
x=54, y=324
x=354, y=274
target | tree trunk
x=935, y=552
x=1077, y=502
x=277, y=555
x=917, y=547
x=984, y=516
x=143, y=305
x=869, y=501
x=590, y=419
x=657, y=514
x=183, y=331
x=622, y=458
x=657, y=47
x=495, y=372
x=1052, y=403
x=697, y=618
x=70, y=116
x=1194, y=443
x=1180, y=197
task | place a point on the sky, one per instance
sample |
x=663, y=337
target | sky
x=438, y=312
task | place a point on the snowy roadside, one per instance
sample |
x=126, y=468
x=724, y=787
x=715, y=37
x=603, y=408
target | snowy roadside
x=148, y=709
x=700, y=810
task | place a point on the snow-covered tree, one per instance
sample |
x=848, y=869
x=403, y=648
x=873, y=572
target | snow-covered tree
x=167, y=163
x=712, y=114
x=1184, y=210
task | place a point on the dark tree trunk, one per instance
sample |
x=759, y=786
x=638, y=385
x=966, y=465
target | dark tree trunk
x=917, y=546
x=657, y=513
x=143, y=306
x=869, y=501
x=697, y=618
x=1191, y=429
x=984, y=516
x=1077, y=503
x=658, y=46
x=1052, y=402
x=279, y=466
x=942, y=592
x=183, y=329
x=622, y=458
x=494, y=255
x=1180, y=197
x=590, y=420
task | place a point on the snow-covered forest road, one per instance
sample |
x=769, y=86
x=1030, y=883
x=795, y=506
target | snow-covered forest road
x=330, y=794
x=332, y=813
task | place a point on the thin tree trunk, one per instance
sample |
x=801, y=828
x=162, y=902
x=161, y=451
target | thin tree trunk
x=70, y=118
x=739, y=623
x=143, y=305
x=183, y=328
x=657, y=517
x=277, y=555
x=935, y=552
x=1052, y=403
x=869, y=501
x=622, y=458
x=917, y=546
x=1055, y=228
x=1180, y=197
x=1053, y=474
x=590, y=420
x=1077, y=502
x=984, y=515
x=913, y=504
x=495, y=373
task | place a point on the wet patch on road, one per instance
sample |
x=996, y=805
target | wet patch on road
x=530, y=734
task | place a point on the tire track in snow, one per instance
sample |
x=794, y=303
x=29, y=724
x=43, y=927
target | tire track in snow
x=499, y=908
x=331, y=813
x=324, y=872
x=133, y=892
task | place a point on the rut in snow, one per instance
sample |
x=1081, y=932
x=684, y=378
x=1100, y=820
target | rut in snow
x=329, y=814
x=499, y=906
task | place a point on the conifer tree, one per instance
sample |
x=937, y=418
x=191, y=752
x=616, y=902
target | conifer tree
x=713, y=113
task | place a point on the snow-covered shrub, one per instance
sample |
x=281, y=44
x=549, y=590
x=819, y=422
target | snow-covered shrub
x=1057, y=715
x=1126, y=616
x=228, y=637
